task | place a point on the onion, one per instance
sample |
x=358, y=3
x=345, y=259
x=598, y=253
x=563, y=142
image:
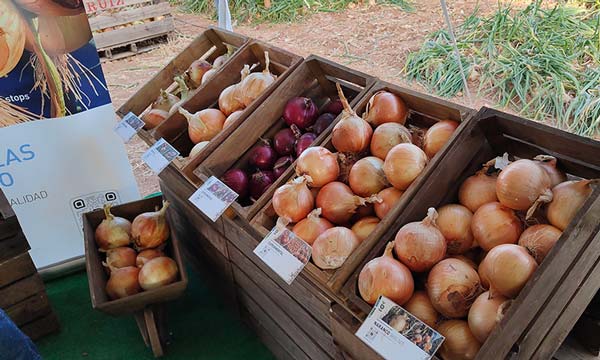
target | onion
x=437, y=136
x=345, y=162
x=523, y=185
x=198, y=148
x=150, y=229
x=256, y=83
x=221, y=60
x=507, y=268
x=420, y=245
x=389, y=197
x=403, y=164
x=339, y=203
x=386, y=136
x=262, y=156
x=197, y=70
x=351, y=133
x=259, y=182
x=63, y=34
x=320, y=164
x=385, y=107
x=158, y=272
x=284, y=142
x=364, y=227
x=323, y=122
x=494, y=224
x=367, y=177
x=452, y=286
x=229, y=101
x=304, y=142
x=334, y=107
x=364, y=211
x=485, y=314
x=539, y=240
x=120, y=257
x=208, y=75
x=281, y=165
x=165, y=101
x=153, y=118
x=237, y=180
x=123, y=282
x=146, y=255
x=294, y=201
x=331, y=249
x=311, y=227
x=421, y=307
x=385, y=276
x=113, y=231
x=549, y=164
x=478, y=189
x=569, y=197
x=301, y=112
x=203, y=125
x=460, y=343
x=232, y=118
x=454, y=221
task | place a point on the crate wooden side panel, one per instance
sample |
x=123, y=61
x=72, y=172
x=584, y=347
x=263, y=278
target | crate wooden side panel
x=13, y=246
x=20, y=290
x=344, y=326
x=15, y=269
x=6, y=211
x=94, y=7
x=41, y=327
x=31, y=308
x=108, y=19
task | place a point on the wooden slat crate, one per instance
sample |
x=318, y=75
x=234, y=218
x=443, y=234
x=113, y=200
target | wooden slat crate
x=587, y=329
x=535, y=314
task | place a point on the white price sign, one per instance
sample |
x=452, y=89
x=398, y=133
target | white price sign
x=284, y=252
x=395, y=333
x=213, y=198
x=129, y=126
x=160, y=155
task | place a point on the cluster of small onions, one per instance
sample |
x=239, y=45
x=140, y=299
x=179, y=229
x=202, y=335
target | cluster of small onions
x=353, y=190
x=131, y=271
x=487, y=224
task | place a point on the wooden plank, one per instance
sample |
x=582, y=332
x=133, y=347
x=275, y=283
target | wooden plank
x=15, y=269
x=41, y=327
x=572, y=350
x=31, y=308
x=120, y=37
x=98, y=6
x=6, y=210
x=20, y=290
x=344, y=326
x=13, y=246
x=9, y=228
x=105, y=20
x=278, y=350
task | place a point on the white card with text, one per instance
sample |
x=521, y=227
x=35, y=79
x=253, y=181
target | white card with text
x=129, y=126
x=160, y=155
x=284, y=252
x=213, y=198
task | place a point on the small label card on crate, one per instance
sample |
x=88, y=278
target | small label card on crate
x=390, y=330
x=160, y=155
x=213, y=198
x=284, y=252
x=129, y=126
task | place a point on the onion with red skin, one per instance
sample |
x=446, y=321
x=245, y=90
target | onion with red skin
x=460, y=343
x=366, y=176
x=284, y=142
x=385, y=276
x=389, y=197
x=301, y=112
x=351, y=134
x=334, y=107
x=339, y=203
x=203, y=125
x=323, y=122
x=331, y=249
x=421, y=307
x=539, y=240
x=157, y=273
x=364, y=227
x=150, y=229
x=494, y=224
x=146, y=255
x=123, y=282
x=437, y=136
x=386, y=136
x=113, y=231
x=550, y=165
x=507, y=268
x=304, y=142
x=452, y=286
x=478, y=189
x=385, y=107
x=196, y=72
x=281, y=165
x=568, y=198
x=420, y=245
x=485, y=314
x=310, y=228
x=403, y=164
x=318, y=163
x=262, y=156
x=120, y=257
x=294, y=201
x=237, y=180
x=454, y=221
x=259, y=182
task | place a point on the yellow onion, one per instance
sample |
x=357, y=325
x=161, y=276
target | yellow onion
x=158, y=272
x=62, y=34
x=320, y=164
x=229, y=99
x=331, y=249
x=539, y=240
x=452, y=286
x=294, y=201
x=198, y=148
x=389, y=197
x=232, y=118
x=154, y=117
x=364, y=227
x=113, y=231
x=507, y=268
x=494, y=224
x=208, y=75
x=437, y=136
x=310, y=228
x=366, y=176
x=339, y=203
x=386, y=136
x=351, y=134
x=568, y=198
x=255, y=84
x=146, y=255
x=12, y=37
x=403, y=164
x=478, y=189
x=454, y=221
x=120, y=257
x=53, y=7
x=150, y=229
x=460, y=343
x=203, y=125
x=485, y=314
x=549, y=164
x=385, y=107
x=165, y=101
x=421, y=307
x=123, y=282
x=385, y=276
x=196, y=72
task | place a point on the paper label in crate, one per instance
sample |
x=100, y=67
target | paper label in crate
x=285, y=253
x=160, y=155
x=213, y=198
x=394, y=333
x=129, y=126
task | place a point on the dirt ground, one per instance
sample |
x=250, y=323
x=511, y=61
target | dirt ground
x=372, y=39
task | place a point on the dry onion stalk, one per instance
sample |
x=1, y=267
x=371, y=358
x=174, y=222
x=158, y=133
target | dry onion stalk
x=11, y=114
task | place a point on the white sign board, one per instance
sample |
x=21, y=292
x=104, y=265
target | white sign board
x=285, y=253
x=213, y=198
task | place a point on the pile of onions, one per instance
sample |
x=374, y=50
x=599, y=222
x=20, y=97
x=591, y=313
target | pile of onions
x=281, y=165
x=310, y=228
x=237, y=180
x=385, y=107
x=421, y=307
x=364, y=227
x=150, y=229
x=158, y=272
x=403, y=164
x=351, y=134
x=255, y=84
x=437, y=136
x=568, y=198
x=460, y=343
x=386, y=136
x=323, y=122
x=367, y=177
x=549, y=164
x=120, y=257
x=478, y=189
x=387, y=199
x=420, y=245
x=539, y=240
x=320, y=164
x=494, y=224
x=259, y=182
x=301, y=112
x=485, y=314
x=123, y=282
x=146, y=255
x=331, y=249
x=294, y=201
x=507, y=268
x=113, y=231
x=385, y=276
x=203, y=125
x=454, y=221
x=452, y=286
x=339, y=203
x=262, y=156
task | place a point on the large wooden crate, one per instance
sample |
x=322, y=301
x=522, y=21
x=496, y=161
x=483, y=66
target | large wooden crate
x=532, y=328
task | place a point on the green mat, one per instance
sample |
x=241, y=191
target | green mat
x=201, y=326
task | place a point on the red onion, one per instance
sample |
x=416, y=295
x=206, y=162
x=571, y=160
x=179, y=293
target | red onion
x=260, y=182
x=323, y=122
x=304, y=142
x=284, y=142
x=263, y=156
x=300, y=111
x=334, y=107
x=237, y=180
x=281, y=165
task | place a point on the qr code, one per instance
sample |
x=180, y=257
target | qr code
x=90, y=202
x=132, y=120
x=372, y=334
x=167, y=151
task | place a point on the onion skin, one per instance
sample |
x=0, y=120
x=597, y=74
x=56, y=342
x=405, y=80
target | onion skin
x=351, y=134
x=281, y=165
x=539, y=240
x=301, y=112
x=310, y=228
x=197, y=70
x=331, y=249
x=385, y=107
x=367, y=177
x=386, y=136
x=389, y=198
x=323, y=122
x=123, y=282
x=293, y=201
x=113, y=231
x=262, y=156
x=421, y=307
x=494, y=224
x=318, y=163
x=385, y=276
x=151, y=229
x=452, y=286
x=255, y=84
x=237, y=180
x=232, y=118
x=437, y=136
x=12, y=37
x=507, y=269
x=478, y=190
x=522, y=184
x=568, y=198
x=364, y=227
x=403, y=164
x=304, y=142
x=485, y=314
x=228, y=102
x=338, y=202
x=154, y=117
x=460, y=343
x=259, y=182
x=146, y=255
x=157, y=273
x=284, y=142
x=334, y=107
x=549, y=164
x=454, y=221
x=420, y=245
x=203, y=125
x=120, y=257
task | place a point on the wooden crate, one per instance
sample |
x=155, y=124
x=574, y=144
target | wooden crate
x=315, y=78
x=424, y=111
x=555, y=282
x=587, y=329
x=16, y=268
x=97, y=275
